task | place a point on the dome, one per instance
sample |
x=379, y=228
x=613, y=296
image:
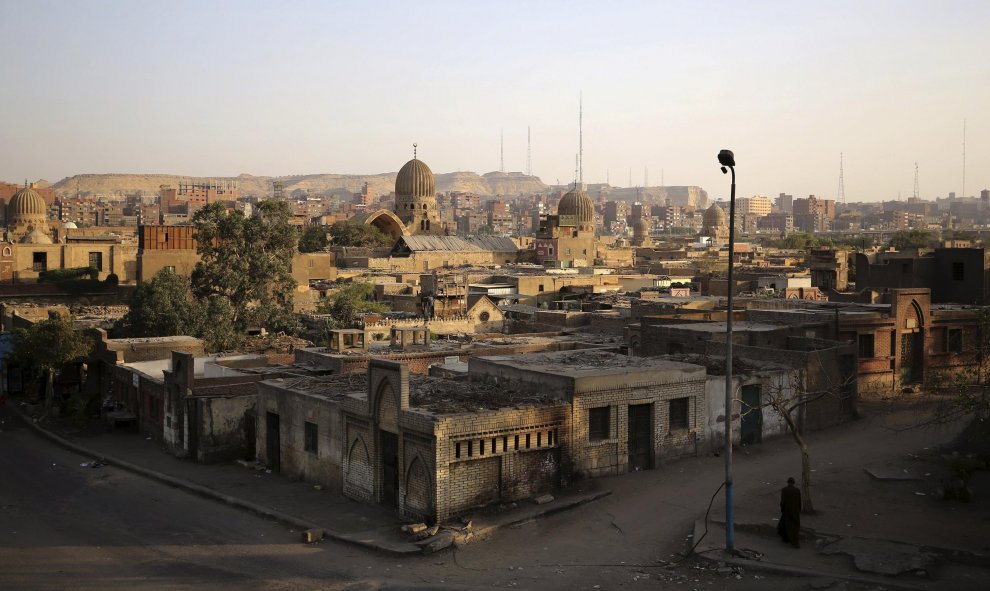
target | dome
x=415, y=179
x=641, y=227
x=26, y=202
x=715, y=216
x=70, y=226
x=36, y=236
x=577, y=203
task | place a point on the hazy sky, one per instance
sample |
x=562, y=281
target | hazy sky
x=281, y=87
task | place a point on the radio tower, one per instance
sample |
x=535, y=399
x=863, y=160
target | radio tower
x=529, y=153
x=501, y=151
x=964, y=159
x=842, y=183
x=916, y=191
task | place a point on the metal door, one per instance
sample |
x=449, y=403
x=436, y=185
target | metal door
x=752, y=415
x=640, y=436
x=910, y=362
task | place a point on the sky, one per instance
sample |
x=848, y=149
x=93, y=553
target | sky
x=216, y=88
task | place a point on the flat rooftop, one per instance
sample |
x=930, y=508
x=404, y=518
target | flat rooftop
x=738, y=326
x=589, y=363
x=442, y=396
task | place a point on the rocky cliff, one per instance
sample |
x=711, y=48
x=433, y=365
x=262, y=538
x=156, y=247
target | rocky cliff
x=492, y=183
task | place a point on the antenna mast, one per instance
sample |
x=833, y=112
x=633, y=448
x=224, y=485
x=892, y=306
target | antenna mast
x=581, y=138
x=842, y=182
x=646, y=176
x=529, y=153
x=916, y=191
x=964, y=160
x=501, y=151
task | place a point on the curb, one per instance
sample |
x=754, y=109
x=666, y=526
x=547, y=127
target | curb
x=357, y=539
x=209, y=493
x=796, y=571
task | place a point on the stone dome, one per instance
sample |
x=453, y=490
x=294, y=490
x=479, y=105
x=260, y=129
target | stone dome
x=26, y=203
x=36, y=236
x=641, y=227
x=415, y=179
x=70, y=226
x=715, y=217
x=577, y=203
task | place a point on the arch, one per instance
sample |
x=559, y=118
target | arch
x=6, y=251
x=387, y=222
x=918, y=313
x=386, y=405
x=358, y=469
x=419, y=487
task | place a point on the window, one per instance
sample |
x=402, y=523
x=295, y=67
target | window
x=311, y=443
x=866, y=346
x=96, y=260
x=954, y=340
x=39, y=262
x=541, y=285
x=678, y=414
x=170, y=268
x=958, y=271
x=598, y=423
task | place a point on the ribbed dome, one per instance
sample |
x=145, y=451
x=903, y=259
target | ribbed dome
x=415, y=179
x=26, y=202
x=577, y=203
x=715, y=216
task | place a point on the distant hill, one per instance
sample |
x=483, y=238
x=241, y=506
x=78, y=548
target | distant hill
x=492, y=183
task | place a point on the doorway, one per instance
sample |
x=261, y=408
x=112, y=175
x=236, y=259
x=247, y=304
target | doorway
x=911, y=357
x=640, y=437
x=273, y=442
x=752, y=415
x=390, y=468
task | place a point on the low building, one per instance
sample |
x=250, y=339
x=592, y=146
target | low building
x=518, y=426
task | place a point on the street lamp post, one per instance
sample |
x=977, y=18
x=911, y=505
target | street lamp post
x=728, y=162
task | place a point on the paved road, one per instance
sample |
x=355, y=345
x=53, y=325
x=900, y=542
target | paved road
x=67, y=527
x=63, y=526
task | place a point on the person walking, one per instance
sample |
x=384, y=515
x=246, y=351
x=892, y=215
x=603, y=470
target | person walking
x=790, y=514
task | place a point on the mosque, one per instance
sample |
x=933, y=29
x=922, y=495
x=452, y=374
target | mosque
x=416, y=211
x=30, y=248
x=569, y=239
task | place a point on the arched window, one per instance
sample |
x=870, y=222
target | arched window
x=6, y=251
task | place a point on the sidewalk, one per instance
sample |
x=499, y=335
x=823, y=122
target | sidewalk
x=835, y=557
x=295, y=503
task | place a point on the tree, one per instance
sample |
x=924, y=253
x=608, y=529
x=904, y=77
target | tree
x=788, y=396
x=351, y=233
x=313, y=239
x=349, y=301
x=163, y=307
x=247, y=261
x=906, y=239
x=46, y=347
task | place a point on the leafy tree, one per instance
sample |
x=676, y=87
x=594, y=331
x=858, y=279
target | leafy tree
x=906, y=239
x=163, y=307
x=47, y=347
x=247, y=261
x=219, y=332
x=351, y=233
x=313, y=239
x=349, y=301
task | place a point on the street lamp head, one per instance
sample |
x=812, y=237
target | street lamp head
x=726, y=158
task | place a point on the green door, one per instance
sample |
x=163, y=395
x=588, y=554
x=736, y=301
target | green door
x=752, y=415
